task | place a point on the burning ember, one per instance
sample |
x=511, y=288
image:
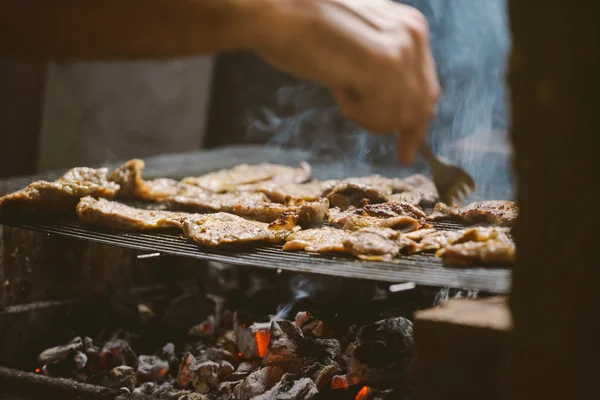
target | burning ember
x=262, y=342
x=363, y=394
x=229, y=354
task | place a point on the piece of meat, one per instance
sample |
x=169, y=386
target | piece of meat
x=337, y=217
x=482, y=234
x=60, y=196
x=400, y=223
x=195, y=199
x=395, y=215
x=115, y=215
x=354, y=191
x=223, y=228
x=415, y=189
x=226, y=180
x=436, y=240
x=281, y=192
x=393, y=209
x=375, y=244
x=320, y=240
x=490, y=252
x=494, y=212
x=419, y=234
x=309, y=213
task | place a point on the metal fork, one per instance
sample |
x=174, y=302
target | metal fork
x=451, y=181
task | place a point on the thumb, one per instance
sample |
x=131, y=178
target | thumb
x=348, y=101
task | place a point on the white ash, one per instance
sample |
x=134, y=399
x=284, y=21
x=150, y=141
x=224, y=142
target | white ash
x=152, y=368
x=258, y=383
x=291, y=387
x=58, y=353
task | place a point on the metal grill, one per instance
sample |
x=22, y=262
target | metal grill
x=424, y=269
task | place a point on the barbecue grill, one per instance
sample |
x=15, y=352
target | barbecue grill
x=422, y=269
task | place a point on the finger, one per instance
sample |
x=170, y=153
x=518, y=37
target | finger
x=348, y=101
x=407, y=143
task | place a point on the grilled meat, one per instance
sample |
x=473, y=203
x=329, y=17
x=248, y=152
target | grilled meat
x=393, y=209
x=436, y=240
x=399, y=223
x=320, y=240
x=495, y=212
x=490, y=252
x=415, y=189
x=114, y=215
x=222, y=228
x=419, y=234
x=375, y=244
x=309, y=212
x=227, y=180
x=195, y=199
x=281, y=192
x=60, y=196
x=396, y=215
x=350, y=193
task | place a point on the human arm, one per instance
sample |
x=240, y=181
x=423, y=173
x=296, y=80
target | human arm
x=373, y=55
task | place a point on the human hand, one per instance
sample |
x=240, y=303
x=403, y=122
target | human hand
x=373, y=55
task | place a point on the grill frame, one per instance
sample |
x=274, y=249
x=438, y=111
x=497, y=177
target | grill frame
x=422, y=269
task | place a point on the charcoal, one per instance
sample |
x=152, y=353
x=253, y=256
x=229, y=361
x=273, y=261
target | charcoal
x=204, y=329
x=383, y=353
x=291, y=387
x=290, y=350
x=166, y=391
x=246, y=337
x=116, y=378
x=258, y=383
x=59, y=353
x=146, y=315
x=243, y=370
x=152, y=368
x=225, y=369
x=193, y=396
x=94, y=360
x=117, y=352
x=228, y=342
x=226, y=390
x=186, y=375
x=167, y=353
x=147, y=388
x=217, y=355
x=321, y=375
x=207, y=376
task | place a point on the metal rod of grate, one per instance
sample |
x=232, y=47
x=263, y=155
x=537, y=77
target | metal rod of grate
x=424, y=269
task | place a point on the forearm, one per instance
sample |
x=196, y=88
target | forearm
x=129, y=28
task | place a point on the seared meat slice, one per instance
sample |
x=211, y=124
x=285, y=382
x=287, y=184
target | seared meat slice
x=490, y=252
x=399, y=223
x=320, y=240
x=280, y=192
x=416, y=189
x=114, y=215
x=436, y=240
x=337, y=217
x=222, y=228
x=60, y=196
x=129, y=177
x=419, y=234
x=309, y=212
x=482, y=234
x=375, y=244
x=194, y=199
x=495, y=212
x=354, y=191
x=227, y=180
x=393, y=209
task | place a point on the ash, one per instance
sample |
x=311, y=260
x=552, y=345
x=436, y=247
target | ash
x=227, y=338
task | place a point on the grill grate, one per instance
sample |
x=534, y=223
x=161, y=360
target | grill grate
x=423, y=269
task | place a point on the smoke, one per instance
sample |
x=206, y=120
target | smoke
x=470, y=41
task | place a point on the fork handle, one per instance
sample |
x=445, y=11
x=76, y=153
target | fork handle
x=428, y=154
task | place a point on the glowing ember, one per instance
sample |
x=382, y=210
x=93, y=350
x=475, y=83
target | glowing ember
x=37, y=370
x=262, y=342
x=363, y=394
x=339, y=382
x=240, y=355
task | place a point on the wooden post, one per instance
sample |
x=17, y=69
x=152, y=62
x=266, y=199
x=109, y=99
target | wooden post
x=554, y=79
x=459, y=348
